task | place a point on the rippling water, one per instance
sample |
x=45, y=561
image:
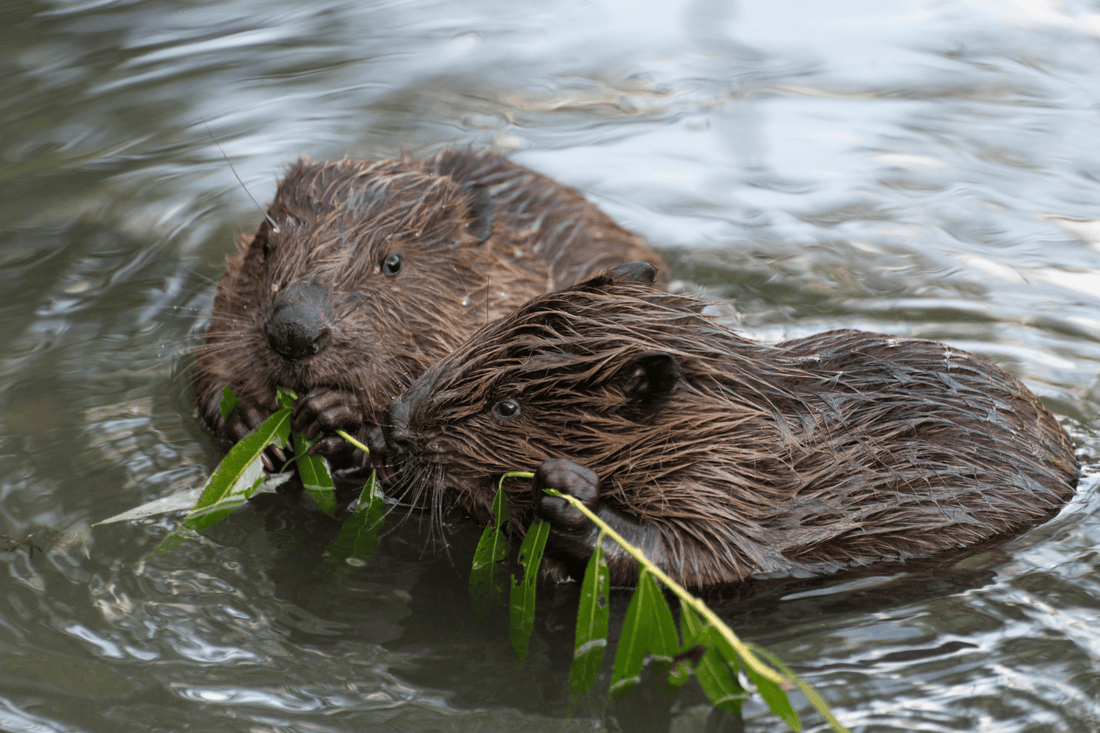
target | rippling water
x=922, y=168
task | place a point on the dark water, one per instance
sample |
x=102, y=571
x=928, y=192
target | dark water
x=923, y=168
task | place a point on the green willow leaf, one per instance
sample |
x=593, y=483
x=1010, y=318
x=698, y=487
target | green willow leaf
x=772, y=693
x=360, y=533
x=182, y=501
x=591, y=638
x=239, y=473
x=227, y=402
x=174, y=539
x=811, y=694
x=664, y=643
x=286, y=398
x=648, y=628
x=776, y=698
x=717, y=675
x=486, y=574
x=522, y=607
x=316, y=477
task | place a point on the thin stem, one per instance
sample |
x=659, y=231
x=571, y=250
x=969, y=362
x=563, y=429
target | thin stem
x=700, y=607
x=353, y=441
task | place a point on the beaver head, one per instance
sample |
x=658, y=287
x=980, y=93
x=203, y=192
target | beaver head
x=364, y=273
x=597, y=372
x=360, y=276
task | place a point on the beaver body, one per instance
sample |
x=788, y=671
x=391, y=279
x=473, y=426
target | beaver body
x=718, y=456
x=365, y=273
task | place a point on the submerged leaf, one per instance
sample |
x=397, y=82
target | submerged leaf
x=522, y=607
x=716, y=673
x=486, y=574
x=359, y=534
x=316, y=478
x=811, y=694
x=174, y=539
x=590, y=642
x=648, y=628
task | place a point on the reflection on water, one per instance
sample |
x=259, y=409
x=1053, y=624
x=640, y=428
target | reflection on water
x=927, y=169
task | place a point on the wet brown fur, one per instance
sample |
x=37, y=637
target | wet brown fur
x=338, y=221
x=844, y=447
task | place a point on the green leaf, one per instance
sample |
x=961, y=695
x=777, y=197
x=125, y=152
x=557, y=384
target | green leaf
x=182, y=501
x=239, y=473
x=486, y=575
x=522, y=607
x=286, y=398
x=716, y=674
x=648, y=627
x=174, y=539
x=590, y=642
x=811, y=694
x=359, y=534
x=772, y=693
x=227, y=402
x=316, y=477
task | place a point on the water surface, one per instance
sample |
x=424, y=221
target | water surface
x=927, y=169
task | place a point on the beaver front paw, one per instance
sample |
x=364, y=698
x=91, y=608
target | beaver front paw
x=324, y=410
x=246, y=416
x=572, y=537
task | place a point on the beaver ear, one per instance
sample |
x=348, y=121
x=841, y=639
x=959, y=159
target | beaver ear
x=650, y=378
x=481, y=211
x=633, y=272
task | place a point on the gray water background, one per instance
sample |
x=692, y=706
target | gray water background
x=929, y=169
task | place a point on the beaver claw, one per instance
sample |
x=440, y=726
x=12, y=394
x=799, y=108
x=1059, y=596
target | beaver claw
x=326, y=410
x=246, y=417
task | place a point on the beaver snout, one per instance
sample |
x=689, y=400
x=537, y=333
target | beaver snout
x=400, y=441
x=392, y=444
x=298, y=326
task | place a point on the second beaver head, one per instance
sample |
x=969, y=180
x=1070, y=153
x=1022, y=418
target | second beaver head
x=364, y=273
x=719, y=456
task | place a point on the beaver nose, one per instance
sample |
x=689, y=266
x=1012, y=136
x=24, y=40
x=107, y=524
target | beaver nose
x=400, y=440
x=298, y=326
x=401, y=447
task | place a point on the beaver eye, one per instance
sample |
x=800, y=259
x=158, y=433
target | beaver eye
x=391, y=265
x=506, y=409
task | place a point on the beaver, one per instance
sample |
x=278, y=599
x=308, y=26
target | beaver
x=718, y=456
x=363, y=274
